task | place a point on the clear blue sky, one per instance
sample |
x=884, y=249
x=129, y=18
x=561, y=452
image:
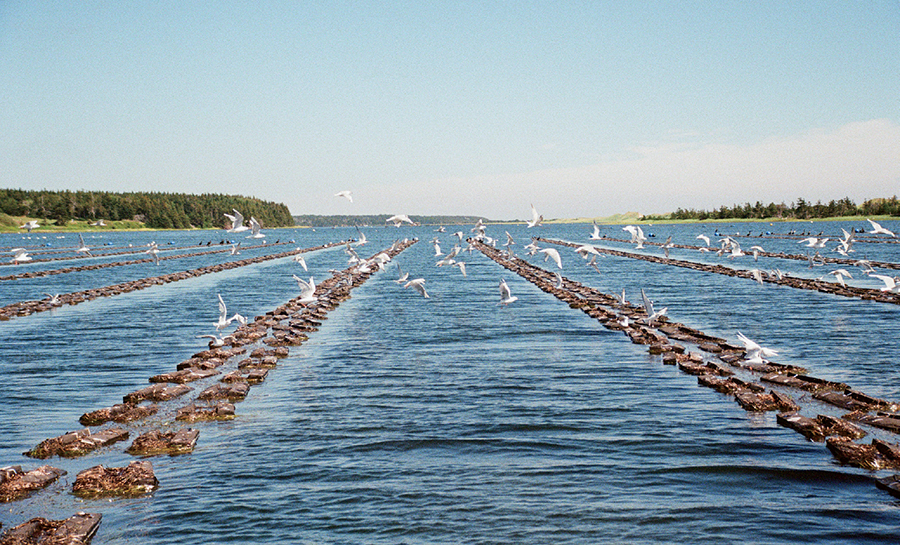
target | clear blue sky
x=582, y=108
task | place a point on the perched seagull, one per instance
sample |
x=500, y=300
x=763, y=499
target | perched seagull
x=255, y=229
x=648, y=308
x=237, y=222
x=307, y=290
x=754, y=352
x=595, y=235
x=399, y=219
x=704, y=238
x=299, y=259
x=83, y=249
x=505, y=296
x=535, y=218
x=403, y=276
x=419, y=285
x=28, y=226
x=551, y=252
x=621, y=298
x=346, y=194
x=224, y=320
x=878, y=229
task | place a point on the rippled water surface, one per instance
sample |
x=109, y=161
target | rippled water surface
x=453, y=419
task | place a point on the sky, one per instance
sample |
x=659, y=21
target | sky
x=584, y=109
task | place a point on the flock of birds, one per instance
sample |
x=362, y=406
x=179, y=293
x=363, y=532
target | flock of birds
x=727, y=246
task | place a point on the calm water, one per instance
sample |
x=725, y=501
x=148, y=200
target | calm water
x=452, y=419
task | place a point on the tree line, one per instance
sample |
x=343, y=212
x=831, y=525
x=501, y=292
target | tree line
x=155, y=210
x=800, y=209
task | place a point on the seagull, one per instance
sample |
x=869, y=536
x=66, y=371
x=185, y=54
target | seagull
x=399, y=219
x=98, y=223
x=234, y=249
x=462, y=267
x=362, y=238
x=299, y=259
x=585, y=250
x=154, y=252
x=237, y=222
x=839, y=275
x=813, y=242
x=878, y=229
x=346, y=194
x=505, y=296
x=757, y=275
x=83, y=249
x=21, y=256
x=637, y=235
x=667, y=245
x=704, y=238
x=215, y=341
x=53, y=299
x=756, y=250
x=535, y=218
x=419, y=285
x=891, y=284
x=28, y=226
x=307, y=289
x=648, y=308
x=255, y=229
x=224, y=320
x=437, y=249
x=403, y=276
x=595, y=235
x=551, y=252
x=755, y=352
x=593, y=263
x=620, y=299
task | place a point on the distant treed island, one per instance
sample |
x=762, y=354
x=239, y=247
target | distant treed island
x=801, y=210
x=151, y=210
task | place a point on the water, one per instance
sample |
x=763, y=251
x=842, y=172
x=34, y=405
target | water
x=452, y=419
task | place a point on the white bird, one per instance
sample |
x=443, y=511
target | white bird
x=419, y=285
x=437, y=249
x=756, y=250
x=29, y=225
x=255, y=229
x=20, y=256
x=399, y=219
x=154, y=252
x=648, y=308
x=98, y=223
x=234, y=249
x=891, y=284
x=552, y=253
x=362, y=238
x=237, y=222
x=757, y=275
x=509, y=240
x=224, y=320
x=346, y=194
x=621, y=298
x=53, y=299
x=704, y=238
x=82, y=249
x=215, y=341
x=667, y=245
x=592, y=262
x=505, y=296
x=595, y=235
x=839, y=275
x=585, y=250
x=307, y=289
x=535, y=218
x=462, y=267
x=754, y=352
x=637, y=235
x=778, y=274
x=813, y=242
x=402, y=276
x=878, y=229
x=559, y=281
x=299, y=259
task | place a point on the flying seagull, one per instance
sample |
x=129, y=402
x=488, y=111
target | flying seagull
x=346, y=194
